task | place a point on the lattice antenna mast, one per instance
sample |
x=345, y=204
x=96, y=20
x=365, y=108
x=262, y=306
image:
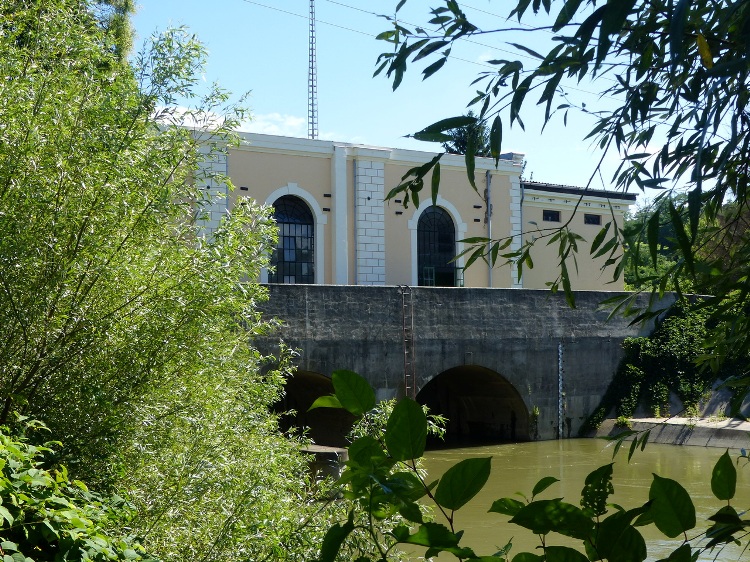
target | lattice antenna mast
x=312, y=81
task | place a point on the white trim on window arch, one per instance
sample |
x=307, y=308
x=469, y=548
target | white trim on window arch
x=320, y=221
x=414, y=222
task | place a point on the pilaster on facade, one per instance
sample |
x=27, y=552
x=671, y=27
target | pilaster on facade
x=369, y=193
x=340, y=235
x=516, y=227
x=212, y=165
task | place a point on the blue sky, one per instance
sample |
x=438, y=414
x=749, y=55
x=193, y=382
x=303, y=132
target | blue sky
x=261, y=47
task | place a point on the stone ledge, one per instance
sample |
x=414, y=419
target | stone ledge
x=729, y=433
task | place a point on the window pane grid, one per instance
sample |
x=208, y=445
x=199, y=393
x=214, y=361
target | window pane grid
x=294, y=253
x=436, y=248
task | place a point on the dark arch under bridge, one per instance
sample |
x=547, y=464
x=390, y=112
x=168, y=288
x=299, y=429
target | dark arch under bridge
x=476, y=351
x=480, y=405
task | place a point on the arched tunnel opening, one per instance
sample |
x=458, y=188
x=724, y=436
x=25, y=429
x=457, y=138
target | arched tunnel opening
x=480, y=404
x=325, y=426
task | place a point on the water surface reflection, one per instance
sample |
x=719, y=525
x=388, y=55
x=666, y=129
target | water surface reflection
x=517, y=467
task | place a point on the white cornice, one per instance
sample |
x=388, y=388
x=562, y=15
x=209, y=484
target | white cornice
x=255, y=142
x=543, y=199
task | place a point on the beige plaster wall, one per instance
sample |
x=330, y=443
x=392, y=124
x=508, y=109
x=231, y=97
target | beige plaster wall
x=309, y=165
x=589, y=274
x=457, y=197
x=262, y=173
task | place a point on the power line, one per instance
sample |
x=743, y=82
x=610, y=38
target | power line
x=370, y=35
x=474, y=42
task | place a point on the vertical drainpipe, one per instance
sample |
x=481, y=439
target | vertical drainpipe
x=356, y=224
x=488, y=219
x=523, y=192
x=560, y=390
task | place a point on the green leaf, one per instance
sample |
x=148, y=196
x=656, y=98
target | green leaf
x=334, y=538
x=431, y=136
x=411, y=512
x=727, y=523
x=567, y=12
x=353, y=391
x=325, y=402
x=543, y=516
x=672, y=509
x=462, y=481
x=599, y=238
x=527, y=557
x=9, y=545
x=677, y=31
x=433, y=68
x=617, y=540
x=527, y=50
x=428, y=534
x=5, y=514
x=724, y=478
x=683, y=553
x=429, y=49
x=506, y=506
x=597, y=489
x=652, y=234
x=435, y=183
x=406, y=431
x=543, y=484
x=470, y=160
x=682, y=237
x=496, y=138
x=563, y=554
x=694, y=210
x=633, y=447
x=366, y=451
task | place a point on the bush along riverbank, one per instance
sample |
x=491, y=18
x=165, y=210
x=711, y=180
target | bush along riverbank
x=668, y=373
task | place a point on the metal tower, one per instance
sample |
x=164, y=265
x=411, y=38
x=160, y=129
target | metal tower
x=312, y=81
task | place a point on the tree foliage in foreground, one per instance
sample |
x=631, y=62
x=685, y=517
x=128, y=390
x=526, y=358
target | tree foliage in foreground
x=382, y=480
x=122, y=327
x=675, y=76
x=45, y=515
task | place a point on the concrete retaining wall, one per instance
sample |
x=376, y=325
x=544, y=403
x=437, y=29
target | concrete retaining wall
x=705, y=432
x=518, y=334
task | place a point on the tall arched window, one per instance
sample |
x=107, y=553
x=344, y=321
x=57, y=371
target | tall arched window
x=293, y=258
x=436, y=247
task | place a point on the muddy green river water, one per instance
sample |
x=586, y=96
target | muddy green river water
x=517, y=467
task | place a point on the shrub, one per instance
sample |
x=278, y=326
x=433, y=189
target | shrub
x=46, y=516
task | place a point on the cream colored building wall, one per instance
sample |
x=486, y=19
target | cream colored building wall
x=266, y=176
x=361, y=239
x=589, y=274
x=466, y=207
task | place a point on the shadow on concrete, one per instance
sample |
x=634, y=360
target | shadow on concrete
x=326, y=426
x=480, y=404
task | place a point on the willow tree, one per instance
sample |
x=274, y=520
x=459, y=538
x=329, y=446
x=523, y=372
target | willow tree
x=124, y=327
x=678, y=72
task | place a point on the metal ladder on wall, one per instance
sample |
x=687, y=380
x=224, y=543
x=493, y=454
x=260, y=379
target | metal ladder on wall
x=407, y=309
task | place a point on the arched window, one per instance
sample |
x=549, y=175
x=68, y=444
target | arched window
x=293, y=257
x=436, y=247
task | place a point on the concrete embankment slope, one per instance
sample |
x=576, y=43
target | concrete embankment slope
x=700, y=432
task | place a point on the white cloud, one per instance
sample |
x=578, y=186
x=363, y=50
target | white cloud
x=487, y=56
x=276, y=124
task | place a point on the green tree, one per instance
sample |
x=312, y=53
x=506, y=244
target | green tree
x=474, y=138
x=124, y=325
x=679, y=70
x=46, y=516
